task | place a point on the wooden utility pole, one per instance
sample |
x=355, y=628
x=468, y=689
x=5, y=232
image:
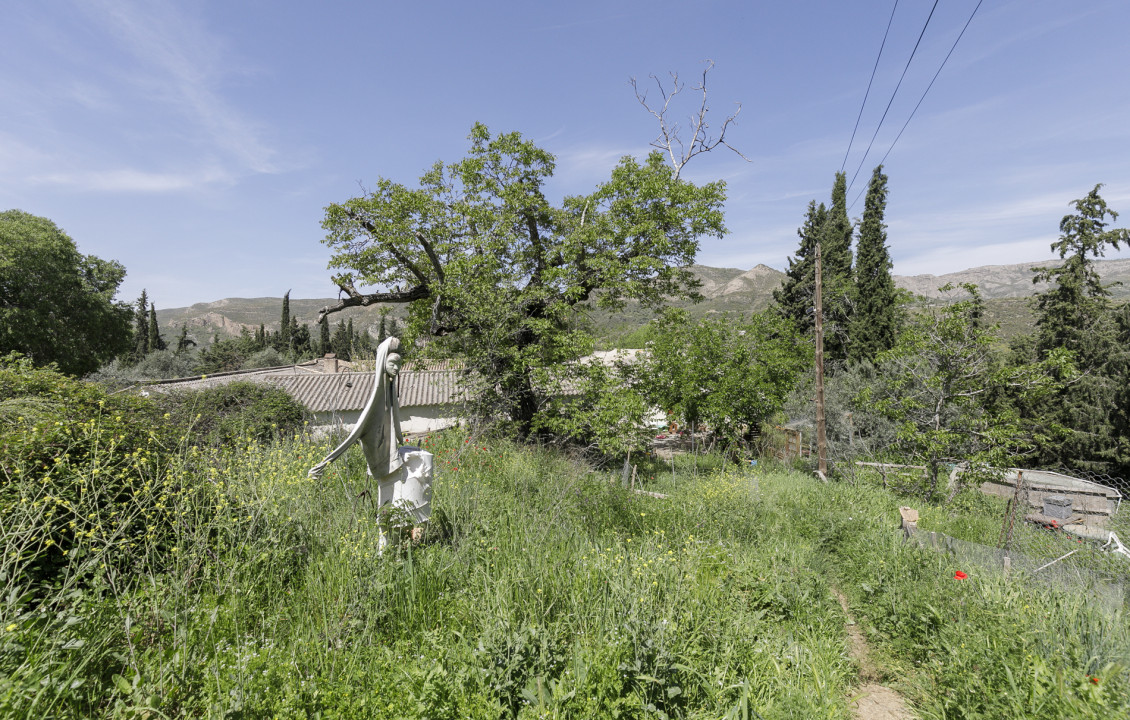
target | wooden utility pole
x=821, y=427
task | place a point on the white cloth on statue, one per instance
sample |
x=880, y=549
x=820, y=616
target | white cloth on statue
x=409, y=487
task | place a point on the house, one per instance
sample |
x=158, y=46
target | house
x=335, y=392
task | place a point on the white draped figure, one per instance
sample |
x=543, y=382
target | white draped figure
x=403, y=473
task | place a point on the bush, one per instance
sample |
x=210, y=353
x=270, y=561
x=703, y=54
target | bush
x=82, y=469
x=222, y=415
x=267, y=357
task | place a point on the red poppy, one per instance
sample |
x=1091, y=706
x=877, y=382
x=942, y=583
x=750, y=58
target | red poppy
x=959, y=575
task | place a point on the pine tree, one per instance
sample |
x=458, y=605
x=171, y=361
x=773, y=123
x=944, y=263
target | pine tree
x=794, y=299
x=839, y=286
x=340, y=341
x=300, y=338
x=1075, y=314
x=384, y=326
x=141, y=327
x=184, y=341
x=155, y=342
x=875, y=324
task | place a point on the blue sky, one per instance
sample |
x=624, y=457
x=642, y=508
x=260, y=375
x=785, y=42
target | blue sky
x=199, y=142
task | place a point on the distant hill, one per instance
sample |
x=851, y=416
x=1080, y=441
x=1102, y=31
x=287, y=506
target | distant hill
x=1011, y=281
x=1004, y=287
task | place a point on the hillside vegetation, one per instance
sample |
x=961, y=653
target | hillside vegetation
x=1004, y=287
x=221, y=581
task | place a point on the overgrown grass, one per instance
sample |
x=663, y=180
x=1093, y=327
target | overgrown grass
x=541, y=590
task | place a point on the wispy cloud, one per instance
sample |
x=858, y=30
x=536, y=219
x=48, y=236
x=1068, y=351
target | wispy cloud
x=127, y=97
x=186, y=65
x=131, y=180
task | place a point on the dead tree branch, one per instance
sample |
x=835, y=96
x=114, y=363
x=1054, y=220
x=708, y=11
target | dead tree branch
x=669, y=139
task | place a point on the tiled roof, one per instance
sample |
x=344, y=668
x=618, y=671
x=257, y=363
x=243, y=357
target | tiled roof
x=332, y=392
x=200, y=382
x=350, y=391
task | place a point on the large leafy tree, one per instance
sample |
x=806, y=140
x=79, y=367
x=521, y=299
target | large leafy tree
x=56, y=304
x=498, y=274
x=1075, y=314
x=729, y=373
x=875, y=323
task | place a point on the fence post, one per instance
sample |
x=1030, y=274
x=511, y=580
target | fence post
x=934, y=540
x=1007, y=565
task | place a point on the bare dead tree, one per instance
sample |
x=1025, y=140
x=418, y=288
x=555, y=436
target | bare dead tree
x=670, y=140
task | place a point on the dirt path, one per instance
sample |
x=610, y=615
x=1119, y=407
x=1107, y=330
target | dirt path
x=873, y=700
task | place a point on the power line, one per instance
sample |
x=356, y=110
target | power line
x=868, y=92
x=927, y=90
x=893, y=94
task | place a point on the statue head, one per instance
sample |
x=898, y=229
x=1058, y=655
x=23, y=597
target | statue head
x=392, y=365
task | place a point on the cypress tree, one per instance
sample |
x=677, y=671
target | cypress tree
x=794, y=299
x=300, y=338
x=384, y=327
x=154, y=341
x=838, y=231
x=324, y=345
x=837, y=274
x=141, y=327
x=876, y=320
x=284, y=324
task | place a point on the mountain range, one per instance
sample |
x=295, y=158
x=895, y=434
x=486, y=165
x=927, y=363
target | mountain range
x=1005, y=288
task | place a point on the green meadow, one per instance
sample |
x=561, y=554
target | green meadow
x=149, y=580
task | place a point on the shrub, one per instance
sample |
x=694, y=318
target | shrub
x=221, y=415
x=82, y=469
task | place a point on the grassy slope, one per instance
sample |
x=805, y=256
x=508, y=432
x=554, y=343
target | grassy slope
x=551, y=592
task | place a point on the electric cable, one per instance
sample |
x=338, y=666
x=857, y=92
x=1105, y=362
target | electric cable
x=927, y=90
x=868, y=92
x=893, y=94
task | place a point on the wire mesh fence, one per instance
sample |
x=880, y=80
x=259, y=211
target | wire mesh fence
x=1051, y=558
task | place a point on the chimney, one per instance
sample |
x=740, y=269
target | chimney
x=326, y=366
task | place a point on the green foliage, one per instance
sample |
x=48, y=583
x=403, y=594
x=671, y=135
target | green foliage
x=284, y=337
x=598, y=407
x=156, y=342
x=877, y=317
x=267, y=357
x=547, y=591
x=1075, y=315
x=945, y=387
x=839, y=287
x=57, y=305
x=795, y=299
x=729, y=373
x=233, y=411
x=495, y=271
x=80, y=468
x=141, y=327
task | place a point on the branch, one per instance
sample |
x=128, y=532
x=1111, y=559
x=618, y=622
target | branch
x=391, y=247
x=668, y=139
x=431, y=254
x=359, y=299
